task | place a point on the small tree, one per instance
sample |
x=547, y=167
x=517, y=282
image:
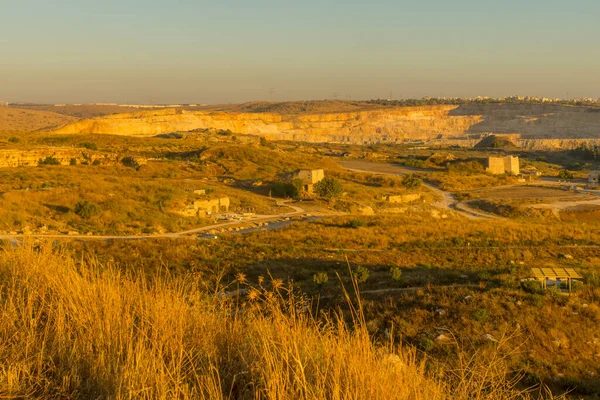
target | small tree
x=396, y=273
x=411, y=181
x=87, y=210
x=329, y=188
x=565, y=174
x=361, y=274
x=320, y=279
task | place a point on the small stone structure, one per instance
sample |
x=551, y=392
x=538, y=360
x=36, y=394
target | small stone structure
x=594, y=178
x=202, y=208
x=309, y=178
x=503, y=165
x=402, y=198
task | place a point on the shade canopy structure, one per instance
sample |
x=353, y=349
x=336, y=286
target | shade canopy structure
x=543, y=274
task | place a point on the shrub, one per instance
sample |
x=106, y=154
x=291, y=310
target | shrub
x=73, y=161
x=411, y=181
x=86, y=210
x=96, y=162
x=284, y=190
x=481, y=315
x=320, y=279
x=329, y=188
x=130, y=162
x=49, y=161
x=357, y=223
x=426, y=344
x=265, y=143
x=533, y=287
x=13, y=140
x=396, y=273
x=361, y=274
x=88, y=145
x=565, y=174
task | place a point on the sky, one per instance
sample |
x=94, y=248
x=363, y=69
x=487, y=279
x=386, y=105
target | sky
x=231, y=51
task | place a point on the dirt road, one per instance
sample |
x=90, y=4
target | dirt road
x=447, y=200
x=174, y=235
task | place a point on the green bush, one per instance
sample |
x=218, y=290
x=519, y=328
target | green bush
x=13, y=140
x=281, y=189
x=533, y=287
x=357, y=223
x=396, y=273
x=49, y=161
x=481, y=315
x=329, y=188
x=565, y=174
x=88, y=145
x=426, y=344
x=73, y=161
x=411, y=181
x=87, y=210
x=96, y=162
x=320, y=279
x=361, y=274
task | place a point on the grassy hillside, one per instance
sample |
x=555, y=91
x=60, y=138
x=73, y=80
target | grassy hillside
x=20, y=120
x=78, y=329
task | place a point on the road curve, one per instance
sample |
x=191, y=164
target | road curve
x=447, y=202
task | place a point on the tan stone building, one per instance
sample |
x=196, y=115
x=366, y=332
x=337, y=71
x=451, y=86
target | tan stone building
x=309, y=178
x=594, y=178
x=202, y=208
x=503, y=165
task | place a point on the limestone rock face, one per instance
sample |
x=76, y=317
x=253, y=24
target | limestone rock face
x=391, y=125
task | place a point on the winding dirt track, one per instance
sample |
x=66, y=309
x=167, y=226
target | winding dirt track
x=447, y=202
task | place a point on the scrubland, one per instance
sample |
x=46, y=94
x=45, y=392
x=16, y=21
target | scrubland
x=76, y=328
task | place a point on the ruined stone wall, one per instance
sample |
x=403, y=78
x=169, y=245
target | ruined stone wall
x=404, y=198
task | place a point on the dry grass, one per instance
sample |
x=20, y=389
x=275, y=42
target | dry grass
x=19, y=120
x=78, y=329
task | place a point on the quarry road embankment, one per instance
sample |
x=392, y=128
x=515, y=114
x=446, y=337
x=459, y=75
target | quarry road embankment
x=447, y=200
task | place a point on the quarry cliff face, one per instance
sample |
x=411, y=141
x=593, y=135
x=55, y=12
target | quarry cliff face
x=391, y=125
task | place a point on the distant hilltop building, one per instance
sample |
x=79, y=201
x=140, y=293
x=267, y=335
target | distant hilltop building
x=3, y=103
x=309, y=178
x=503, y=165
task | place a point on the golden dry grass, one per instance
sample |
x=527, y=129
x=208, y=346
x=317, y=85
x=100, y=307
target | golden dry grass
x=78, y=329
x=20, y=120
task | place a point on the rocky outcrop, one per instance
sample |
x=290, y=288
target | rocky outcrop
x=392, y=125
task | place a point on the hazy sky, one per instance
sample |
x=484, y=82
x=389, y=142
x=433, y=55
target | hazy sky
x=197, y=51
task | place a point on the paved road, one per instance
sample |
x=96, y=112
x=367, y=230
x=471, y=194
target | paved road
x=447, y=200
x=175, y=235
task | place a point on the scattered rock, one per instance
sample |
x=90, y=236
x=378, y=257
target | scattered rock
x=519, y=303
x=441, y=312
x=490, y=338
x=442, y=338
x=468, y=298
x=463, y=277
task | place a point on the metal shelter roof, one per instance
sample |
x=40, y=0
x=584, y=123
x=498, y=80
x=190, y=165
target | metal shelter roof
x=555, y=273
